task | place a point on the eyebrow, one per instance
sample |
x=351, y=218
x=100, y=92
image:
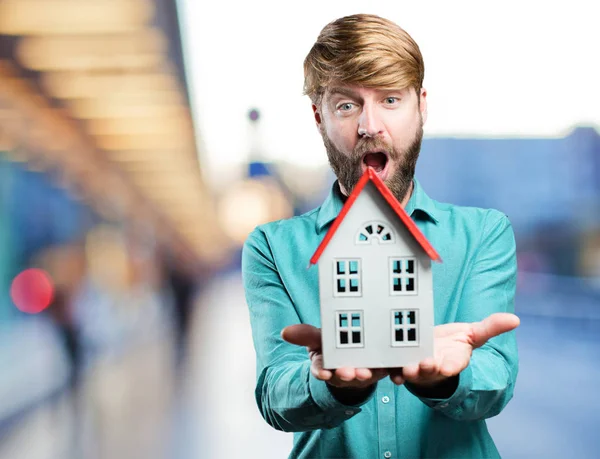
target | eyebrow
x=339, y=90
x=343, y=91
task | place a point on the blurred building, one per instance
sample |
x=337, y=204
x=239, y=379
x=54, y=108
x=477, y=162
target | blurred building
x=98, y=158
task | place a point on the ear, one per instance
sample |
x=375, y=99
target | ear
x=317, y=115
x=423, y=104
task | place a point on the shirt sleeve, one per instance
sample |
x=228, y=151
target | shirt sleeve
x=288, y=396
x=487, y=384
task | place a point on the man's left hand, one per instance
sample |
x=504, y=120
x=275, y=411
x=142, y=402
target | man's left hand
x=453, y=346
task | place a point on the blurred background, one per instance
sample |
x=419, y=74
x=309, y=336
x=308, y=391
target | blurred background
x=140, y=142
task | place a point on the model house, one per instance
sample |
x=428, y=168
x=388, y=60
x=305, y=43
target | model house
x=375, y=283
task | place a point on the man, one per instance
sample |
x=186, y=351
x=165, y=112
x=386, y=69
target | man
x=364, y=77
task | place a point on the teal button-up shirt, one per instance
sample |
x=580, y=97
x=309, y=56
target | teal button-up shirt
x=477, y=278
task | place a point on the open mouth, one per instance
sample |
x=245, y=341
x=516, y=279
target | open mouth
x=377, y=160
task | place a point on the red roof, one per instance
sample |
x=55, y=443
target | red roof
x=371, y=175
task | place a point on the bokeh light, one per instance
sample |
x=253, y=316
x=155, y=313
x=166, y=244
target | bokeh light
x=32, y=291
x=254, y=115
x=250, y=203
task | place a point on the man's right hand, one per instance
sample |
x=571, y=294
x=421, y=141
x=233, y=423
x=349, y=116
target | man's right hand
x=345, y=377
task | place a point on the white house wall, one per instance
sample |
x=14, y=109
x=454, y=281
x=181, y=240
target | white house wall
x=375, y=300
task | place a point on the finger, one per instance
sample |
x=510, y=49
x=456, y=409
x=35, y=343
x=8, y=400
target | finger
x=363, y=374
x=317, y=370
x=428, y=367
x=410, y=372
x=441, y=331
x=323, y=375
x=345, y=373
x=494, y=325
x=303, y=335
x=454, y=363
x=396, y=376
x=398, y=380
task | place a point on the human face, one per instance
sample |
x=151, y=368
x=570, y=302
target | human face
x=380, y=128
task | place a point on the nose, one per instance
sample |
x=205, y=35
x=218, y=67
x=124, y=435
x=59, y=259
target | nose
x=369, y=123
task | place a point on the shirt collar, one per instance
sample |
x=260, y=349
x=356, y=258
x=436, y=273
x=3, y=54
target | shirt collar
x=419, y=203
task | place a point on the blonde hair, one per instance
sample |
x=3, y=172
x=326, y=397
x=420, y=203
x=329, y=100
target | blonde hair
x=364, y=50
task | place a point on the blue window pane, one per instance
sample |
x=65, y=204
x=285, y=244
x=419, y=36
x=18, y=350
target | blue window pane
x=341, y=267
x=398, y=318
x=356, y=320
x=362, y=237
x=354, y=285
x=343, y=320
x=396, y=266
x=341, y=285
x=410, y=284
x=410, y=266
x=353, y=267
x=411, y=317
x=397, y=284
x=386, y=237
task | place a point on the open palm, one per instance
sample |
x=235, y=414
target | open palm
x=453, y=345
x=345, y=377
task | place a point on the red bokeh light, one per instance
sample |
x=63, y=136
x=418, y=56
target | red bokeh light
x=32, y=291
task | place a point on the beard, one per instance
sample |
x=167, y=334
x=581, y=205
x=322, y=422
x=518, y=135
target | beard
x=348, y=169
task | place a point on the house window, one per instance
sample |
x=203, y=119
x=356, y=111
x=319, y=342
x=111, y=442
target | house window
x=403, y=276
x=405, y=328
x=349, y=329
x=346, y=277
x=374, y=231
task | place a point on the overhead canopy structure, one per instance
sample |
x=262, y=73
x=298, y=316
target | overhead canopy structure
x=97, y=89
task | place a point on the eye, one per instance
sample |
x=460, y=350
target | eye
x=345, y=107
x=391, y=100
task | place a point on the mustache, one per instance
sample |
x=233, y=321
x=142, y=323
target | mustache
x=369, y=144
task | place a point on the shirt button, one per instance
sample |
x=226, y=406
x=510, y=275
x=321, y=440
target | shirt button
x=349, y=412
x=387, y=455
x=385, y=399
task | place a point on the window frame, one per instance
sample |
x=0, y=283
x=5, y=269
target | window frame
x=347, y=277
x=349, y=328
x=386, y=229
x=405, y=327
x=403, y=276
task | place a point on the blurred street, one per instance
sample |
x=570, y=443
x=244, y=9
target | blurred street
x=136, y=405
x=133, y=406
